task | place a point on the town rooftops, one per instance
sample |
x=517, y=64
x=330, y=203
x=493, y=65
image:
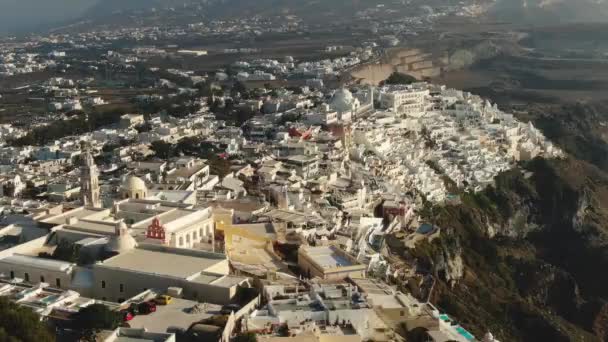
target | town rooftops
x=295, y=217
x=372, y=286
x=138, y=335
x=39, y=263
x=186, y=171
x=77, y=213
x=265, y=229
x=327, y=256
x=172, y=262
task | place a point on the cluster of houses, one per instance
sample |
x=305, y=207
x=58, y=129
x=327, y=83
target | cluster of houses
x=426, y=137
x=282, y=228
x=15, y=63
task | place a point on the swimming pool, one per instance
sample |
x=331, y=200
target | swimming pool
x=424, y=229
x=444, y=317
x=462, y=331
x=50, y=299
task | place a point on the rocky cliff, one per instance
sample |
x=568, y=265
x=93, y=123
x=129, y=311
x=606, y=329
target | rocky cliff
x=525, y=259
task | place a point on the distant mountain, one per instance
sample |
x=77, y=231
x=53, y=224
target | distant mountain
x=230, y=8
x=107, y=7
x=543, y=12
x=29, y=15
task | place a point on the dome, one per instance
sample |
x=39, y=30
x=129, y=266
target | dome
x=121, y=241
x=343, y=101
x=133, y=183
x=134, y=187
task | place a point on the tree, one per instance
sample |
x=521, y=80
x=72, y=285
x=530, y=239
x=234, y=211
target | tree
x=21, y=324
x=219, y=166
x=419, y=334
x=283, y=330
x=162, y=149
x=399, y=78
x=239, y=88
x=246, y=337
x=94, y=318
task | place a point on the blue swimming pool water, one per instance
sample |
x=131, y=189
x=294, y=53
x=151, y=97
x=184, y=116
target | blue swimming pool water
x=50, y=299
x=465, y=333
x=425, y=228
x=444, y=317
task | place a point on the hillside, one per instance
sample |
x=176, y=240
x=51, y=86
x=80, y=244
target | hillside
x=534, y=245
x=533, y=250
x=540, y=12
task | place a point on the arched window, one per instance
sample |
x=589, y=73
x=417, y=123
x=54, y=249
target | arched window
x=188, y=238
x=136, y=196
x=181, y=241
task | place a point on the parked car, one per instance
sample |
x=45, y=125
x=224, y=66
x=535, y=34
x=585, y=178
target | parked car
x=127, y=316
x=163, y=300
x=147, y=307
x=229, y=308
x=176, y=330
x=134, y=309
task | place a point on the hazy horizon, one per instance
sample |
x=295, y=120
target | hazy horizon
x=19, y=15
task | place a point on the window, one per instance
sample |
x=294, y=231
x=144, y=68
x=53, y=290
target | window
x=103, y=284
x=12, y=274
x=122, y=288
x=188, y=238
x=181, y=241
x=42, y=279
x=136, y=196
x=402, y=313
x=27, y=277
x=58, y=282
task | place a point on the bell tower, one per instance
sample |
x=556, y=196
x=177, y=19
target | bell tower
x=89, y=179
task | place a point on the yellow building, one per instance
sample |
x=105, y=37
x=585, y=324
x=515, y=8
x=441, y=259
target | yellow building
x=249, y=244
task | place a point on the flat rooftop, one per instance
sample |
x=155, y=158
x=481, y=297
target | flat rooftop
x=175, y=263
x=186, y=172
x=95, y=227
x=327, y=257
x=176, y=314
x=294, y=217
x=78, y=213
x=372, y=286
x=172, y=195
x=265, y=229
x=38, y=263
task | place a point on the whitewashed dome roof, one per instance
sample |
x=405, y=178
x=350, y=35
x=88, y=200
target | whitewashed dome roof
x=133, y=183
x=121, y=241
x=342, y=100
